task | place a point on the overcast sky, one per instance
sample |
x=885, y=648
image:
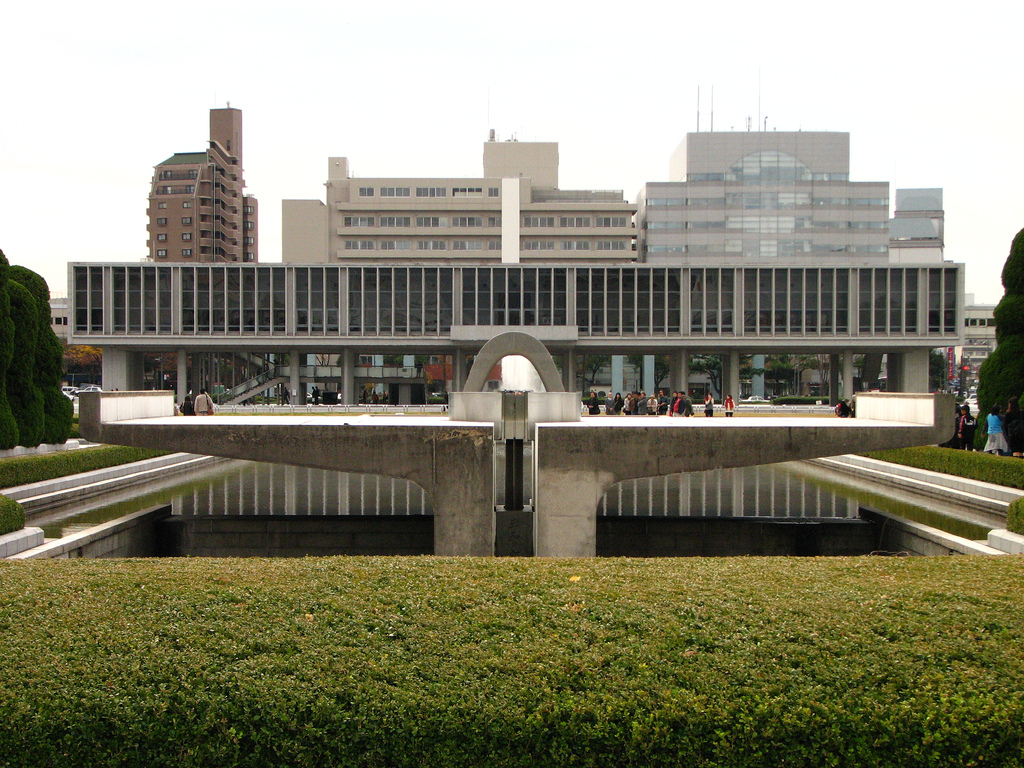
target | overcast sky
x=94, y=95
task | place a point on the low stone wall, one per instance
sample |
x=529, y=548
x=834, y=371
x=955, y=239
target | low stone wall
x=294, y=535
x=133, y=535
x=897, y=534
x=731, y=536
x=18, y=541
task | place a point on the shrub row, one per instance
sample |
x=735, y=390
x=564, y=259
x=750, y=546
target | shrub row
x=511, y=662
x=1015, y=516
x=1001, y=470
x=20, y=470
x=12, y=516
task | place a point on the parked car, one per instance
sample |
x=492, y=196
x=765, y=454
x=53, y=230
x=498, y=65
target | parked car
x=92, y=388
x=754, y=399
x=69, y=391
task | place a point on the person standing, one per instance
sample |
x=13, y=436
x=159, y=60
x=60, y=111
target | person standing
x=709, y=405
x=966, y=427
x=204, y=404
x=996, y=442
x=186, y=406
x=1013, y=427
x=729, y=405
x=617, y=404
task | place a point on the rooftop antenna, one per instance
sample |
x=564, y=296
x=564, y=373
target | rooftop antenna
x=759, y=95
x=712, y=109
x=698, y=109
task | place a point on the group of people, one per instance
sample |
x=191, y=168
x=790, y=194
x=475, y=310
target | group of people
x=662, y=404
x=1005, y=429
x=201, y=406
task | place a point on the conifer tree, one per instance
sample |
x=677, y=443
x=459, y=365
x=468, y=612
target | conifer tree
x=25, y=399
x=1002, y=374
x=58, y=411
x=8, y=425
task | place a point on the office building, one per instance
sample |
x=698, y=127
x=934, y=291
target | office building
x=515, y=213
x=198, y=211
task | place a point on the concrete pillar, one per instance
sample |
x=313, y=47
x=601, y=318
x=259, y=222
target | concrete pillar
x=122, y=370
x=679, y=370
x=732, y=382
x=915, y=370
x=848, y=375
x=618, y=382
x=459, y=370
x=347, y=391
x=757, y=380
x=569, y=370
x=649, y=383
x=182, y=375
x=834, y=393
x=294, y=362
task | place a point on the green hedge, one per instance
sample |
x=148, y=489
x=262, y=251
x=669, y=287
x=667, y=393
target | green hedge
x=12, y=516
x=33, y=469
x=1001, y=470
x=512, y=662
x=1015, y=516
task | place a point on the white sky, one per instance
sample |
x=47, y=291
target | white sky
x=95, y=94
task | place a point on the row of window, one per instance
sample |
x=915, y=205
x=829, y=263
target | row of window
x=161, y=253
x=427, y=192
x=162, y=221
x=766, y=224
x=186, y=189
x=162, y=205
x=768, y=200
x=162, y=236
x=423, y=222
x=480, y=245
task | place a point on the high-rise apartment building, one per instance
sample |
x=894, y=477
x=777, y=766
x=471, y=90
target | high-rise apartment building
x=198, y=211
x=515, y=213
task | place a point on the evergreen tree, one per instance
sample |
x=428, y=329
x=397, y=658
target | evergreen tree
x=58, y=411
x=1002, y=374
x=25, y=399
x=8, y=425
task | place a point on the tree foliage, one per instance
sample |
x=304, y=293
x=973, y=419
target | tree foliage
x=8, y=425
x=58, y=411
x=22, y=393
x=1002, y=374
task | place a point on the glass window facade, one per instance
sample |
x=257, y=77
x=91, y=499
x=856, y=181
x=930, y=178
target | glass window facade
x=426, y=301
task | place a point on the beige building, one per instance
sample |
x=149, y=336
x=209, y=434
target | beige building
x=198, y=211
x=515, y=213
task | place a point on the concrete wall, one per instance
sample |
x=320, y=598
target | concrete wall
x=295, y=535
x=730, y=537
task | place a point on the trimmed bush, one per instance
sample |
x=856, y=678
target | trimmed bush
x=8, y=424
x=49, y=361
x=424, y=662
x=1013, y=269
x=22, y=393
x=12, y=516
x=21, y=470
x=984, y=467
x=1015, y=516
